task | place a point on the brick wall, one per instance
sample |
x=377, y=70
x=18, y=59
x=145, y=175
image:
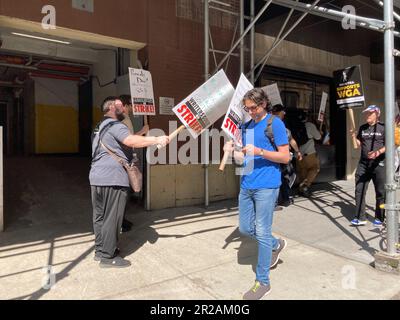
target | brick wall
x=193, y=10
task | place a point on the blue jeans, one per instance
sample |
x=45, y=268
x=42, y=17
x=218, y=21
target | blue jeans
x=256, y=209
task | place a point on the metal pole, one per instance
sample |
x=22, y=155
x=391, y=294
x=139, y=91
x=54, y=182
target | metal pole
x=228, y=12
x=397, y=16
x=212, y=47
x=252, y=42
x=368, y=23
x=243, y=35
x=241, y=21
x=233, y=40
x=206, y=76
x=391, y=214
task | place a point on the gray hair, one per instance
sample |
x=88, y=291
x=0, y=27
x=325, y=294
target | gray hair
x=258, y=96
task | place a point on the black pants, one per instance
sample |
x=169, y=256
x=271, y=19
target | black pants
x=285, y=193
x=366, y=171
x=108, y=212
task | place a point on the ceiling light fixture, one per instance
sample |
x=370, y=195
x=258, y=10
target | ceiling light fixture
x=39, y=38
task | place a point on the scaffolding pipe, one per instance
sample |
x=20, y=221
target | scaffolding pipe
x=252, y=42
x=243, y=35
x=380, y=3
x=241, y=22
x=368, y=23
x=212, y=47
x=233, y=40
x=228, y=12
x=206, y=77
x=224, y=52
x=391, y=213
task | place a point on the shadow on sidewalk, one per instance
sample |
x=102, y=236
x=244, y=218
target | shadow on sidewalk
x=347, y=209
x=247, y=251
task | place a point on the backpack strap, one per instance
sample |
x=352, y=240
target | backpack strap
x=101, y=134
x=269, y=132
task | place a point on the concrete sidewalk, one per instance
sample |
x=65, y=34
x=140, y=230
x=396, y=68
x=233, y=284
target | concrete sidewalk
x=192, y=253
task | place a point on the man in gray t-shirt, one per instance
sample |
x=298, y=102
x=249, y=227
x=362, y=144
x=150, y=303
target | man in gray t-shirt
x=109, y=181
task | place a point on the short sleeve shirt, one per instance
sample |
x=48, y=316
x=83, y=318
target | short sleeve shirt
x=372, y=138
x=260, y=173
x=105, y=170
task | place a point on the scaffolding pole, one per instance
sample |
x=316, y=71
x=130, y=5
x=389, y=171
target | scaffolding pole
x=390, y=93
x=252, y=42
x=241, y=22
x=380, y=3
x=364, y=22
x=206, y=77
x=252, y=23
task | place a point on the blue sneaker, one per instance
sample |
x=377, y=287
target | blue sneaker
x=356, y=222
x=377, y=223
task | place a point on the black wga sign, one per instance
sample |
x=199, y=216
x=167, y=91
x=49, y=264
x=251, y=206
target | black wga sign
x=349, y=91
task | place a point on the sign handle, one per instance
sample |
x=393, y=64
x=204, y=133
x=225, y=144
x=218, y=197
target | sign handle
x=146, y=120
x=224, y=160
x=173, y=135
x=353, y=127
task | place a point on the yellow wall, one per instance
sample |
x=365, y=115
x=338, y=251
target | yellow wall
x=56, y=129
x=97, y=116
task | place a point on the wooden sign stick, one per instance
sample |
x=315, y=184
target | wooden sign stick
x=224, y=160
x=173, y=135
x=353, y=127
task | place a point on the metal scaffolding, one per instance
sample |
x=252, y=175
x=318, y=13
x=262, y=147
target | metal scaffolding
x=386, y=27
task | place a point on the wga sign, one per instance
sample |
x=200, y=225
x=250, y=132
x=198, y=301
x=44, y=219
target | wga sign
x=349, y=20
x=49, y=20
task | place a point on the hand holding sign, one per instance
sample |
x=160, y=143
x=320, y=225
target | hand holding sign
x=235, y=117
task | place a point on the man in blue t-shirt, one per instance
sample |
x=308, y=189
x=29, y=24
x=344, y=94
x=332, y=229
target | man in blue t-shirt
x=260, y=184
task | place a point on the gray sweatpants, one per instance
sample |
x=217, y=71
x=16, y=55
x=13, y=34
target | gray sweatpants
x=108, y=212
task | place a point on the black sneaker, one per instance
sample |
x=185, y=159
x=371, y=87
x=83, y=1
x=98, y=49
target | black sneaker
x=257, y=292
x=278, y=208
x=276, y=252
x=116, y=262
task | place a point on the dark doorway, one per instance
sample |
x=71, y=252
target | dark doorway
x=85, y=117
x=3, y=123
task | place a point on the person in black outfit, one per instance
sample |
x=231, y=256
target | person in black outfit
x=371, y=138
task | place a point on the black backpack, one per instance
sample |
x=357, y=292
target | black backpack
x=287, y=169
